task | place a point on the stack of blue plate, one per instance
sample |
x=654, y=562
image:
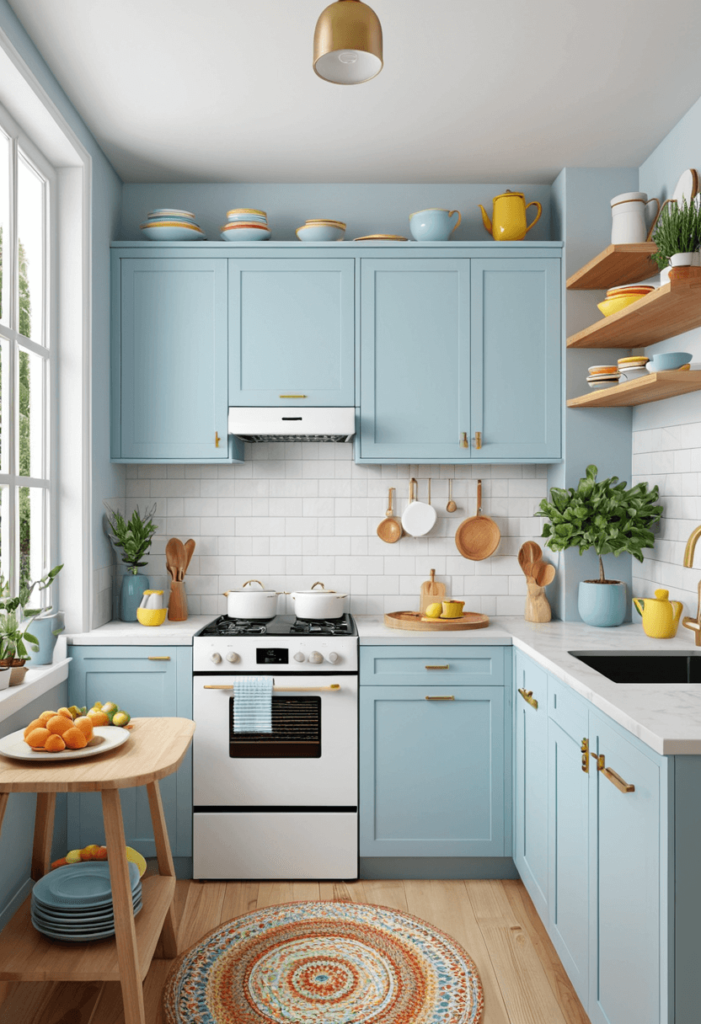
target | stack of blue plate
x=168, y=225
x=74, y=903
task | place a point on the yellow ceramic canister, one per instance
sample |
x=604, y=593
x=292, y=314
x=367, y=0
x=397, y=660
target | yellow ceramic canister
x=508, y=222
x=452, y=609
x=660, y=615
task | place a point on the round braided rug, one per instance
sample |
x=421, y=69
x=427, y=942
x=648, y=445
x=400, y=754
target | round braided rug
x=324, y=963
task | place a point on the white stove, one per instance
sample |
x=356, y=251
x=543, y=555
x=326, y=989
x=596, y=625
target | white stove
x=281, y=804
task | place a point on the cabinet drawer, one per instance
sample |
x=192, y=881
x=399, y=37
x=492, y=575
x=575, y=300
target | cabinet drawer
x=568, y=709
x=420, y=666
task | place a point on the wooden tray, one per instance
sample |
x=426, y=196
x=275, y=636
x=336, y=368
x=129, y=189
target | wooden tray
x=415, y=620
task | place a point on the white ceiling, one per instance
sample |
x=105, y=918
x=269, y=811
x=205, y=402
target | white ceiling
x=471, y=90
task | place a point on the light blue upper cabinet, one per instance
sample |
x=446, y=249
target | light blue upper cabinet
x=414, y=360
x=531, y=780
x=292, y=332
x=516, y=369
x=169, y=360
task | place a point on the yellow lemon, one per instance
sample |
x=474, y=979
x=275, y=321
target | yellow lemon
x=434, y=610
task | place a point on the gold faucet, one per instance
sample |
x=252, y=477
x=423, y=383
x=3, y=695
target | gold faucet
x=687, y=621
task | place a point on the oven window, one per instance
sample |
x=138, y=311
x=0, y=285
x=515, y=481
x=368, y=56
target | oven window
x=296, y=730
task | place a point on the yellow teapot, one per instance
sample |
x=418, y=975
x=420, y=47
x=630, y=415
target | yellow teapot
x=509, y=217
x=660, y=615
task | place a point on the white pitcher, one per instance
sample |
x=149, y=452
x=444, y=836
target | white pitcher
x=629, y=223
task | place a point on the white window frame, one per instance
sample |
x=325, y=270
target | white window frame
x=42, y=344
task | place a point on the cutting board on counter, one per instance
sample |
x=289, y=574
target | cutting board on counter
x=417, y=621
x=431, y=593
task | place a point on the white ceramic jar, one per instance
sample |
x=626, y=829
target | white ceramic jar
x=628, y=211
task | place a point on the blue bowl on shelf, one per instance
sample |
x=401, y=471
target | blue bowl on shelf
x=668, y=361
x=159, y=233
x=320, y=233
x=247, y=234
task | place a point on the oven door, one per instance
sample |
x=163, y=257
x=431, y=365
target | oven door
x=309, y=760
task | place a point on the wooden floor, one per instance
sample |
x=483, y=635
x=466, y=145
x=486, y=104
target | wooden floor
x=495, y=921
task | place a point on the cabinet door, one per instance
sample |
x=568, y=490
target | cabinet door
x=291, y=332
x=170, y=361
x=568, y=833
x=414, y=360
x=432, y=771
x=531, y=780
x=625, y=856
x=146, y=686
x=516, y=377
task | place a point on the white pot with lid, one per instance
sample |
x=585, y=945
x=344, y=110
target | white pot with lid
x=251, y=604
x=318, y=604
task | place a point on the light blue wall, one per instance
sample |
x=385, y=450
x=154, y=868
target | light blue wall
x=366, y=209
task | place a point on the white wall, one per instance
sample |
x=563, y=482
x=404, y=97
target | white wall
x=293, y=514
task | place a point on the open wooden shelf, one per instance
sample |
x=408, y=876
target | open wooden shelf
x=27, y=955
x=617, y=264
x=672, y=309
x=652, y=388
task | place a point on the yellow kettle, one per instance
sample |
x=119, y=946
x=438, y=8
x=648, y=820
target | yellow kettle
x=509, y=217
x=660, y=615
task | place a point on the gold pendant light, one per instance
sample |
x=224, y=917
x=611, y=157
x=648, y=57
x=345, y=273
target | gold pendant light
x=348, y=43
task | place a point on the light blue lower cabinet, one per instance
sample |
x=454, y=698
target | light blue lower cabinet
x=139, y=680
x=530, y=701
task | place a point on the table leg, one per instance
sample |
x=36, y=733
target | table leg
x=4, y=797
x=165, y=865
x=125, y=932
x=43, y=834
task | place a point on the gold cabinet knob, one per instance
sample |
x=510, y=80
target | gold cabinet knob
x=464, y=443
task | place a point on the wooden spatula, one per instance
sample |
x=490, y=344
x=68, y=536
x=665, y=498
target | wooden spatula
x=431, y=592
x=189, y=551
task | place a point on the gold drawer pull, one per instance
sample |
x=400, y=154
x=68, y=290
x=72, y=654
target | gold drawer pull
x=440, y=698
x=219, y=686
x=293, y=396
x=152, y=657
x=614, y=777
x=464, y=443
x=333, y=688
x=528, y=697
x=217, y=439
x=436, y=668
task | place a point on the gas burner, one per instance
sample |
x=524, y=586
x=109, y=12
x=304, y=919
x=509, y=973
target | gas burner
x=235, y=627
x=323, y=627
x=282, y=625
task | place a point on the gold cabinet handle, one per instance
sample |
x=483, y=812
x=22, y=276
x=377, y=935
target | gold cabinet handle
x=429, y=697
x=528, y=697
x=435, y=668
x=478, y=439
x=217, y=439
x=614, y=777
x=220, y=686
x=153, y=657
x=464, y=443
x=585, y=755
x=293, y=396
x=333, y=688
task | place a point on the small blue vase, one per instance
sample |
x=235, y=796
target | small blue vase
x=43, y=629
x=602, y=604
x=133, y=588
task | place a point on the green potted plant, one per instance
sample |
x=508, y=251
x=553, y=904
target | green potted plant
x=15, y=619
x=677, y=236
x=133, y=539
x=606, y=516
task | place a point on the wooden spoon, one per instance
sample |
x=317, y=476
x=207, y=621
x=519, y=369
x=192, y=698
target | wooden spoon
x=532, y=551
x=451, y=506
x=390, y=529
x=189, y=551
x=477, y=537
x=545, y=575
x=176, y=556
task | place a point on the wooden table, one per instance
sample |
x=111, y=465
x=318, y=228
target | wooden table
x=155, y=749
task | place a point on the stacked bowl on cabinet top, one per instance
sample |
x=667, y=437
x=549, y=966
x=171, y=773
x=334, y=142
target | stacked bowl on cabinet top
x=244, y=225
x=167, y=225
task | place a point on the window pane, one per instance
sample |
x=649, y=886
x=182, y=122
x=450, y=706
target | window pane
x=31, y=533
x=4, y=406
x=30, y=239
x=4, y=228
x=30, y=410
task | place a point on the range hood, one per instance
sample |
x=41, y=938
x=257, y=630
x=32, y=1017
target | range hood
x=276, y=424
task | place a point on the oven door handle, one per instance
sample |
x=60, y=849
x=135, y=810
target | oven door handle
x=333, y=688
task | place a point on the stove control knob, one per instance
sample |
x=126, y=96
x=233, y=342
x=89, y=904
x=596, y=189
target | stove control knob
x=299, y=656
x=333, y=657
x=232, y=656
x=216, y=658
x=316, y=658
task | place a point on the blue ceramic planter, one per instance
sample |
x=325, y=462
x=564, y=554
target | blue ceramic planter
x=602, y=604
x=43, y=629
x=133, y=588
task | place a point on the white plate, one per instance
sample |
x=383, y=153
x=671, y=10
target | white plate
x=419, y=518
x=686, y=187
x=105, y=737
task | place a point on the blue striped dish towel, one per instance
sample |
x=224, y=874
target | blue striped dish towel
x=253, y=704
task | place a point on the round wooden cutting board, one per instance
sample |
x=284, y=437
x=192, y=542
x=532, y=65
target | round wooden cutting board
x=417, y=621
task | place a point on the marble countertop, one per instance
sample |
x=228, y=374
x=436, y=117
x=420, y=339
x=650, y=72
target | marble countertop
x=115, y=634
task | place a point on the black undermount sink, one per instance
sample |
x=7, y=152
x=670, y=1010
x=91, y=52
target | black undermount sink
x=634, y=667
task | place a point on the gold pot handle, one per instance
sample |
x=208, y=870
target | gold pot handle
x=457, y=222
x=538, y=215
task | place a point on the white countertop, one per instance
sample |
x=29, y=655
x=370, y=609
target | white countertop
x=372, y=630
x=128, y=634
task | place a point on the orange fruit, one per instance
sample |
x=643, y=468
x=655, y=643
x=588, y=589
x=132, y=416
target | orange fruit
x=37, y=738
x=89, y=852
x=85, y=725
x=46, y=715
x=54, y=744
x=59, y=724
x=97, y=717
x=65, y=712
x=36, y=724
x=101, y=853
x=74, y=738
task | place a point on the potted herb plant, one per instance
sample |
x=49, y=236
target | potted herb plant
x=15, y=620
x=677, y=236
x=133, y=538
x=606, y=516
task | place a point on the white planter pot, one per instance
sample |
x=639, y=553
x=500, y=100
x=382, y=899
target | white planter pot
x=251, y=604
x=685, y=259
x=5, y=674
x=318, y=604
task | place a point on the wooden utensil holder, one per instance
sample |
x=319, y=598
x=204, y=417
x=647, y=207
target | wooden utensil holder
x=177, y=605
x=537, y=605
